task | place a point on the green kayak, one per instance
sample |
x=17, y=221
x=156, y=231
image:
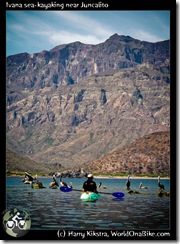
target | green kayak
x=90, y=196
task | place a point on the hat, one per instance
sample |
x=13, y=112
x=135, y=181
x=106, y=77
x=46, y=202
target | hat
x=90, y=175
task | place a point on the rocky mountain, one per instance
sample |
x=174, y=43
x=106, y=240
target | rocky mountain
x=147, y=155
x=77, y=102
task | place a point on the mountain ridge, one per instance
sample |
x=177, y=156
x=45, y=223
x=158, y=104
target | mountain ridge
x=114, y=36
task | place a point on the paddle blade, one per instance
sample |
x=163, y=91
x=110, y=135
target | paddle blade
x=118, y=194
x=65, y=189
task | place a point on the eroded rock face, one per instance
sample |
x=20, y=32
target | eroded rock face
x=77, y=102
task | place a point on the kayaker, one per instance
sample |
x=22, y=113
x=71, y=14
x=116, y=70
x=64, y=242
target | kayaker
x=89, y=185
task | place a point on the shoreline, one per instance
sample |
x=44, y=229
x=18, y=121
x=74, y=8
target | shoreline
x=106, y=177
x=131, y=177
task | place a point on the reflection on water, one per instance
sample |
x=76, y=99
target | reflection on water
x=53, y=209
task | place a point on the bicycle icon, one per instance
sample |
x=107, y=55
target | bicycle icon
x=16, y=221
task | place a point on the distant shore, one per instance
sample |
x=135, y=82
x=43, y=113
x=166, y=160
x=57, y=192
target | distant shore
x=104, y=177
x=131, y=177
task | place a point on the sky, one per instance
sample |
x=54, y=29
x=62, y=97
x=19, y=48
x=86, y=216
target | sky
x=34, y=31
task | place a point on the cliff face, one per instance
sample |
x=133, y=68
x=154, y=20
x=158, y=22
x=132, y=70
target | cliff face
x=77, y=102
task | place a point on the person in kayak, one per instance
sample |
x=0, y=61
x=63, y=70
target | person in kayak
x=89, y=185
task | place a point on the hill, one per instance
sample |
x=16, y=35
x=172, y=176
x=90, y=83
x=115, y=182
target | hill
x=149, y=155
x=17, y=164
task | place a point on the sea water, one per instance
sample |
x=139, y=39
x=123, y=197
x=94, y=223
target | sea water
x=52, y=209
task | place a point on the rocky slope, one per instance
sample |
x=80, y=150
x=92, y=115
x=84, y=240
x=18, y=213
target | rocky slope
x=18, y=163
x=148, y=155
x=77, y=102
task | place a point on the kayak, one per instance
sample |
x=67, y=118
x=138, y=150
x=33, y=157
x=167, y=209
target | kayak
x=90, y=196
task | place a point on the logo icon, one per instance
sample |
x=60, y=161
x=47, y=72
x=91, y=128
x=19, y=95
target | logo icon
x=16, y=222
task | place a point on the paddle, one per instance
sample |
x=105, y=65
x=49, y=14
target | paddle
x=115, y=194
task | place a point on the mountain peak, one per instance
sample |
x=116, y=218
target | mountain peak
x=116, y=37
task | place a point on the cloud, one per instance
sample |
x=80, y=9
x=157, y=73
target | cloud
x=163, y=24
x=64, y=25
x=67, y=37
x=18, y=28
x=29, y=31
x=145, y=36
x=74, y=27
x=86, y=24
